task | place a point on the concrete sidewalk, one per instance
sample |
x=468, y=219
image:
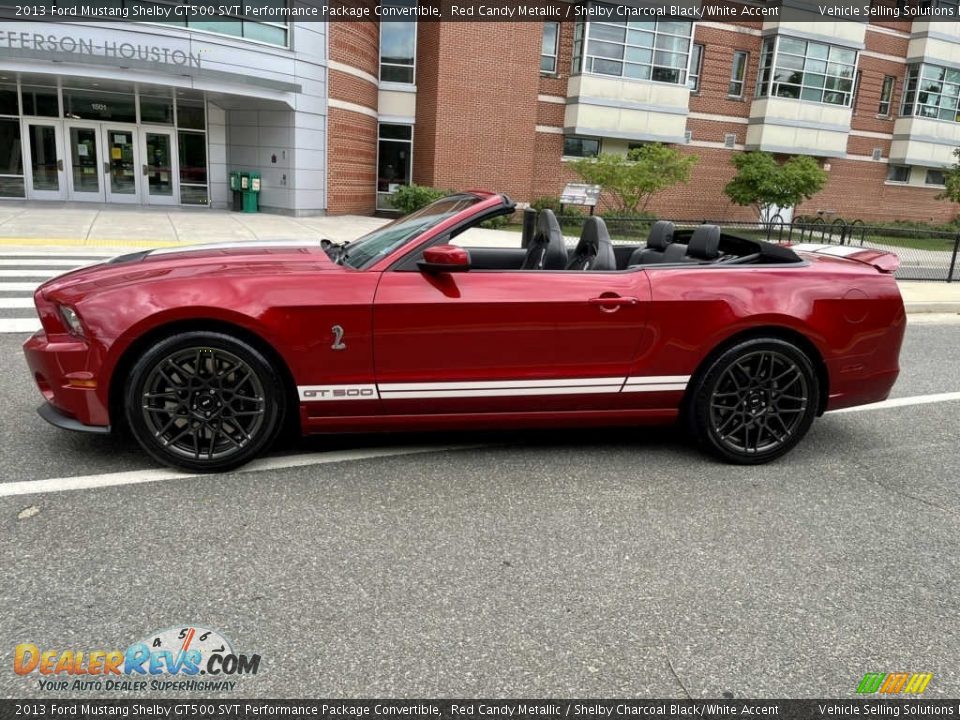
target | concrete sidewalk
x=99, y=226
x=25, y=224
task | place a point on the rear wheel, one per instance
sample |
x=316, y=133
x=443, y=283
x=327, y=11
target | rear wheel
x=204, y=401
x=755, y=401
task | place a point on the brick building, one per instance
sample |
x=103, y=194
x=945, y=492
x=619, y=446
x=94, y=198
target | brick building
x=506, y=105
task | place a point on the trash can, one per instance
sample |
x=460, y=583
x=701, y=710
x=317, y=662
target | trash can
x=237, y=205
x=251, y=192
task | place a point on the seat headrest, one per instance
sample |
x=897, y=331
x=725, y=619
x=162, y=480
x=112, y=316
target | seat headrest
x=594, y=233
x=704, y=243
x=661, y=235
x=547, y=224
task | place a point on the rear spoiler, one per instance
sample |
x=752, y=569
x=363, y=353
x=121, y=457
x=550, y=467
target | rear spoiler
x=885, y=262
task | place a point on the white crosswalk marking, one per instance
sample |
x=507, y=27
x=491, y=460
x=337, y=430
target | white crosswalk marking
x=19, y=286
x=22, y=271
x=41, y=262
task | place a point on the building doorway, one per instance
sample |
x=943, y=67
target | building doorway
x=106, y=163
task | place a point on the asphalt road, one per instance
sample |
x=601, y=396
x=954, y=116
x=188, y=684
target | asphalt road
x=603, y=564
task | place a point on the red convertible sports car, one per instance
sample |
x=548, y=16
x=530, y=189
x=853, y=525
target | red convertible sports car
x=206, y=352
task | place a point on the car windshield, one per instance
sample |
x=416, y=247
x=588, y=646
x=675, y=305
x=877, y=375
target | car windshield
x=383, y=241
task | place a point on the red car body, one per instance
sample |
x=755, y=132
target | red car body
x=485, y=348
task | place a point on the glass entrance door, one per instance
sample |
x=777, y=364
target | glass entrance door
x=84, y=174
x=159, y=167
x=45, y=161
x=120, y=164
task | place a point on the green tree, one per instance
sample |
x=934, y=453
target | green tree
x=951, y=178
x=632, y=180
x=764, y=183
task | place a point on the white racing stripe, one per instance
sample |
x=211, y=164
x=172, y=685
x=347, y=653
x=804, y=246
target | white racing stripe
x=500, y=388
x=901, y=402
x=137, y=477
x=665, y=383
x=494, y=388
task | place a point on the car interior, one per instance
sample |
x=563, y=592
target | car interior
x=665, y=245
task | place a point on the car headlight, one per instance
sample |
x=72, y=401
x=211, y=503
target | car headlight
x=71, y=320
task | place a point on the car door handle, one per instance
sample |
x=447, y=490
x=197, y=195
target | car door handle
x=613, y=300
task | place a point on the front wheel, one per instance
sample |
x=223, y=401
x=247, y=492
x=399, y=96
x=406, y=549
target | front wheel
x=755, y=401
x=204, y=402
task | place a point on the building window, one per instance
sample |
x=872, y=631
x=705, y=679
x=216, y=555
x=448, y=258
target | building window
x=935, y=177
x=548, y=47
x=696, y=67
x=856, y=90
x=738, y=74
x=577, y=146
x=933, y=92
x=9, y=100
x=398, y=47
x=272, y=33
x=886, y=95
x=394, y=160
x=657, y=50
x=42, y=101
x=898, y=174
x=193, y=167
x=804, y=70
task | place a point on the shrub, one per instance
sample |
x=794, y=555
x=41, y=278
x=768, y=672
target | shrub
x=496, y=223
x=546, y=203
x=410, y=198
x=765, y=184
x=631, y=181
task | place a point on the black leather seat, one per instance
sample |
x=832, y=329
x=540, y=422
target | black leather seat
x=546, y=250
x=594, y=251
x=704, y=244
x=661, y=235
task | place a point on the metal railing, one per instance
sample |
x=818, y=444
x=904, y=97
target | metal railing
x=924, y=254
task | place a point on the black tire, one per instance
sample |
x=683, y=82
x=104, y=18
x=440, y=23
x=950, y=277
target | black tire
x=754, y=402
x=204, y=402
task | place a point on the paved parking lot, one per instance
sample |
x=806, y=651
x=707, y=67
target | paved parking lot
x=516, y=564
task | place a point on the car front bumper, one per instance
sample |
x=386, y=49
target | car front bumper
x=65, y=370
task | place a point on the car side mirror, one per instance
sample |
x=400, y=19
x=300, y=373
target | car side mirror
x=444, y=258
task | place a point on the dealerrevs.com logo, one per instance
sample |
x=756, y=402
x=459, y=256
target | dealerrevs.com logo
x=190, y=658
x=894, y=683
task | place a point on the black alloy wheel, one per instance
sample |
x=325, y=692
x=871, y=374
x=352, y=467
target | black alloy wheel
x=204, y=401
x=755, y=402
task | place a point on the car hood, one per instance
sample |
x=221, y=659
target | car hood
x=273, y=257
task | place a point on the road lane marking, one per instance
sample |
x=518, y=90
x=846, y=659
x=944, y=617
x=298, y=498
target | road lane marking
x=88, y=242
x=39, y=274
x=39, y=262
x=54, y=252
x=902, y=402
x=19, y=325
x=136, y=477
x=19, y=286
x=20, y=302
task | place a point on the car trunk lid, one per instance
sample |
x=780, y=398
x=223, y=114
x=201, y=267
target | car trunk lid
x=881, y=260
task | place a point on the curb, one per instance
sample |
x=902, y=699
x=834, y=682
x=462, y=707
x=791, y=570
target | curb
x=932, y=306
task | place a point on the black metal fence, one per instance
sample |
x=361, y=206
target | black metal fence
x=924, y=254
